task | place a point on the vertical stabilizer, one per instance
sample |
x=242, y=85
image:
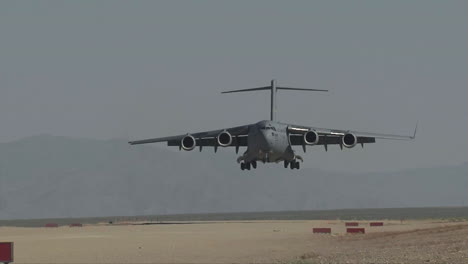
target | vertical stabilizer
x=273, y=101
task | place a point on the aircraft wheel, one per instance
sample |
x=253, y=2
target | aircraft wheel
x=286, y=163
x=254, y=164
x=298, y=165
x=242, y=166
x=294, y=165
x=247, y=166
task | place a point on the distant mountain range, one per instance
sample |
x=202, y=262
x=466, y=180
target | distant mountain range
x=48, y=176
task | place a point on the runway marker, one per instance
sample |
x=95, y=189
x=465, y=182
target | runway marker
x=321, y=230
x=351, y=224
x=6, y=252
x=355, y=230
x=376, y=223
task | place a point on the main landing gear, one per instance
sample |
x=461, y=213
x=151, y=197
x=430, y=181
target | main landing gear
x=248, y=165
x=293, y=164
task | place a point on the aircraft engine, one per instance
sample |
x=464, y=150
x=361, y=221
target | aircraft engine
x=349, y=140
x=311, y=137
x=224, y=139
x=188, y=143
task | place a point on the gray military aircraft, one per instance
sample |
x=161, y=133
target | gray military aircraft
x=269, y=140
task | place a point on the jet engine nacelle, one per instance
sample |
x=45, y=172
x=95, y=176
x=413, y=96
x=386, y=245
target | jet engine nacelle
x=188, y=143
x=224, y=139
x=349, y=140
x=311, y=137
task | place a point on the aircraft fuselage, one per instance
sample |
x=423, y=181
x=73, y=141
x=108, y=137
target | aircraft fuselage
x=268, y=141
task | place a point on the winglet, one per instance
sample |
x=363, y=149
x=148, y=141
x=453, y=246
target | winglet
x=415, y=130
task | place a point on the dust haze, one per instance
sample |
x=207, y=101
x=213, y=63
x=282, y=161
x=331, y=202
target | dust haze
x=81, y=78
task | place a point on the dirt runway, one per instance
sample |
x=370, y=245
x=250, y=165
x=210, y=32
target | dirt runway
x=242, y=242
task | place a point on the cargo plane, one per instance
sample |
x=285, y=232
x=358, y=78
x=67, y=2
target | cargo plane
x=269, y=140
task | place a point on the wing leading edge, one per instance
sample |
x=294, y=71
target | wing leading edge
x=206, y=138
x=335, y=136
x=336, y=132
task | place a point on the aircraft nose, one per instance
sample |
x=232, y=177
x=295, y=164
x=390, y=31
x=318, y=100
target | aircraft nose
x=265, y=142
x=265, y=134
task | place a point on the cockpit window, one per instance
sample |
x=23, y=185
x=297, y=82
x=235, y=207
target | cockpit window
x=268, y=128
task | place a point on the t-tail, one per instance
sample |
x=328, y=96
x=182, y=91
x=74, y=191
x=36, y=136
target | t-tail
x=273, y=88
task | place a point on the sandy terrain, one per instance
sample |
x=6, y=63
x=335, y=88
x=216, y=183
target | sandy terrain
x=242, y=242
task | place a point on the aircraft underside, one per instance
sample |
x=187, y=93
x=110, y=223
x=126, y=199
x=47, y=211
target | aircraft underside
x=289, y=159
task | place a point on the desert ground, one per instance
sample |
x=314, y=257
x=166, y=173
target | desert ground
x=415, y=241
x=242, y=242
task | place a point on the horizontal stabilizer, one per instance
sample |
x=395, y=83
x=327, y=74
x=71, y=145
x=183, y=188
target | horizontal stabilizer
x=300, y=89
x=273, y=89
x=248, y=90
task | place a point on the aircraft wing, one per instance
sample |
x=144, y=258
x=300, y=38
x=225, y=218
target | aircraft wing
x=334, y=136
x=206, y=138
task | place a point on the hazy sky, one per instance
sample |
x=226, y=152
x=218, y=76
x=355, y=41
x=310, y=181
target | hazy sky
x=137, y=69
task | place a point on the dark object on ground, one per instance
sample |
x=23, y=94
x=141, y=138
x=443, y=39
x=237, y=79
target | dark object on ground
x=321, y=230
x=355, y=230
